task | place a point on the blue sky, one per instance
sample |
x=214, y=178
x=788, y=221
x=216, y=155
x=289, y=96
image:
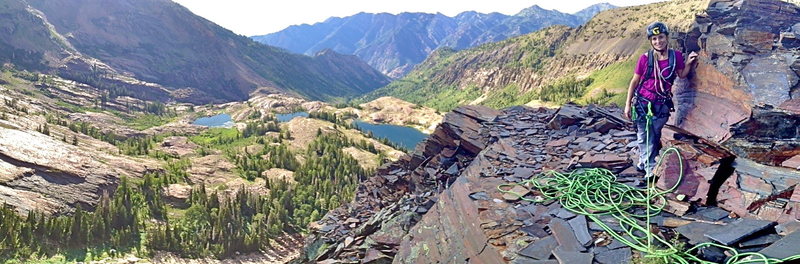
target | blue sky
x=257, y=17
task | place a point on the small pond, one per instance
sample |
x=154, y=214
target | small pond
x=221, y=120
x=289, y=116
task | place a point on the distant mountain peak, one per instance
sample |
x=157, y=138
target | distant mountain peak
x=534, y=10
x=395, y=43
x=592, y=10
x=598, y=6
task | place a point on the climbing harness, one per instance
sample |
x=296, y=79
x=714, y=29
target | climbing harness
x=655, y=72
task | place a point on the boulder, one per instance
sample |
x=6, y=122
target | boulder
x=761, y=191
x=704, y=163
x=177, y=194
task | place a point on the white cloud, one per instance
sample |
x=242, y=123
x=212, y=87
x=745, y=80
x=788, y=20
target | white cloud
x=255, y=17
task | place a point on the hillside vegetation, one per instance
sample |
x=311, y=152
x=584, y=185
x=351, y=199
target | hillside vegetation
x=595, y=62
x=179, y=188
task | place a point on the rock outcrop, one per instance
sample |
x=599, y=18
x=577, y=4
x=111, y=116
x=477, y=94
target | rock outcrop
x=387, y=205
x=178, y=146
x=744, y=95
x=44, y=174
x=747, y=78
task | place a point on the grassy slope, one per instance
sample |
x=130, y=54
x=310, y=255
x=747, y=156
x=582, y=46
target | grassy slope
x=432, y=83
x=610, y=84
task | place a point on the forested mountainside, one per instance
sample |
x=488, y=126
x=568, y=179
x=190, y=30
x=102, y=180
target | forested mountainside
x=157, y=49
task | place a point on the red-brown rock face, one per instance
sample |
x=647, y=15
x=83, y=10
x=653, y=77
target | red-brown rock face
x=745, y=94
x=748, y=60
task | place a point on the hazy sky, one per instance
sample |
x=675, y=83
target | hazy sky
x=257, y=17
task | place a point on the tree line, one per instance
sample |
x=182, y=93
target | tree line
x=115, y=222
x=216, y=224
x=219, y=226
x=326, y=180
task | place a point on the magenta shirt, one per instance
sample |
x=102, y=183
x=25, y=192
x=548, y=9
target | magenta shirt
x=648, y=88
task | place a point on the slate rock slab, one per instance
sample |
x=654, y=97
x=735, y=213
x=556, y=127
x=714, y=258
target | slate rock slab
x=527, y=260
x=564, y=235
x=616, y=256
x=616, y=244
x=711, y=214
x=516, y=193
x=713, y=254
x=572, y=257
x=738, y=230
x=695, y=231
x=535, y=230
x=786, y=247
x=760, y=241
x=541, y=249
x=578, y=225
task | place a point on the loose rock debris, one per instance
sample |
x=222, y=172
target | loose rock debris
x=441, y=204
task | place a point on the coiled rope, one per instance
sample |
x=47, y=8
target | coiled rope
x=595, y=192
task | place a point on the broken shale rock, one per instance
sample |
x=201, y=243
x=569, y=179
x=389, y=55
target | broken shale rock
x=705, y=163
x=426, y=214
x=384, y=211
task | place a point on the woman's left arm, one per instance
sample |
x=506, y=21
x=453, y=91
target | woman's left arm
x=690, y=62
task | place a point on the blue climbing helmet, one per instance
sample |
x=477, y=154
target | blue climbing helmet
x=657, y=28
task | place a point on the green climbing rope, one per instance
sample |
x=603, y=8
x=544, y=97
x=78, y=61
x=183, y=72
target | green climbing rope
x=595, y=192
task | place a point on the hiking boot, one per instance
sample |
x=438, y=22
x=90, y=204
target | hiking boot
x=650, y=177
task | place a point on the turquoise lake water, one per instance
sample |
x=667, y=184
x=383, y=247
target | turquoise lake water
x=221, y=120
x=403, y=136
x=289, y=116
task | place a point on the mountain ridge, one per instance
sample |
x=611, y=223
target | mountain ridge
x=162, y=42
x=394, y=44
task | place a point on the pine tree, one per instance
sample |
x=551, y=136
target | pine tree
x=77, y=234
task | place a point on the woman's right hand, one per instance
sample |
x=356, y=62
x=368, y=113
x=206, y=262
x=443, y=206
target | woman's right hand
x=627, y=114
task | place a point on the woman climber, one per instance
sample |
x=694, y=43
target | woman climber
x=649, y=100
